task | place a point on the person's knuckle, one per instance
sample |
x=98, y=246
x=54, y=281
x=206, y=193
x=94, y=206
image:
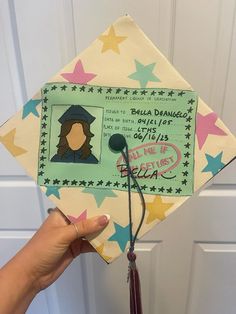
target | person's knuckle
x=84, y=226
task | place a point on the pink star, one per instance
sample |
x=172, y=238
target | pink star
x=78, y=76
x=205, y=126
x=82, y=216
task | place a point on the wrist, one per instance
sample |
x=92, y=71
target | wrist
x=16, y=288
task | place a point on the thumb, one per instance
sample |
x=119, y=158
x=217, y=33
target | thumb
x=86, y=227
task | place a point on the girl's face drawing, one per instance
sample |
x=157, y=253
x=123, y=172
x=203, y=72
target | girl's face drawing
x=76, y=136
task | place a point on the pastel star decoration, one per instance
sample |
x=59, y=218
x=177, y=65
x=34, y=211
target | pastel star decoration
x=157, y=209
x=214, y=164
x=81, y=217
x=78, y=76
x=121, y=236
x=8, y=140
x=111, y=41
x=205, y=125
x=144, y=74
x=31, y=108
x=53, y=190
x=99, y=195
x=100, y=250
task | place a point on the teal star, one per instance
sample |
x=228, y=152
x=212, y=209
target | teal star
x=144, y=74
x=53, y=190
x=30, y=107
x=121, y=236
x=214, y=164
x=99, y=194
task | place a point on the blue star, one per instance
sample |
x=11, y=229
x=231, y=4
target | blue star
x=99, y=194
x=30, y=107
x=214, y=164
x=144, y=74
x=53, y=190
x=121, y=236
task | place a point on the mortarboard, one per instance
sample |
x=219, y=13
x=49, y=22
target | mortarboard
x=123, y=84
x=76, y=112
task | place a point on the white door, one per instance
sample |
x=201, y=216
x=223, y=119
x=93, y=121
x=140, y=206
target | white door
x=187, y=263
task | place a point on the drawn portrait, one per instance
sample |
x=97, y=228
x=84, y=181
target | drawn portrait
x=75, y=136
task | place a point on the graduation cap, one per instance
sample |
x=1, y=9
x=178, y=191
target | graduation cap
x=76, y=112
x=176, y=142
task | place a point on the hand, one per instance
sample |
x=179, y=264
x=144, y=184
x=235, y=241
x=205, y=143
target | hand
x=44, y=258
x=56, y=244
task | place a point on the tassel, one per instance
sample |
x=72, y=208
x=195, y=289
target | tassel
x=134, y=285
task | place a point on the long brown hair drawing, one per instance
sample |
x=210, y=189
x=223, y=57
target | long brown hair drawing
x=75, y=136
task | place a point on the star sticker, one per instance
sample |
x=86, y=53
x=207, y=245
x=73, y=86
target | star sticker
x=186, y=155
x=181, y=93
x=53, y=190
x=186, y=163
x=65, y=182
x=78, y=76
x=157, y=209
x=111, y=41
x=161, y=189
x=205, y=125
x=121, y=236
x=191, y=101
x=8, y=141
x=144, y=74
x=169, y=190
x=31, y=107
x=214, y=164
x=81, y=217
x=99, y=195
x=153, y=93
x=64, y=87
x=46, y=181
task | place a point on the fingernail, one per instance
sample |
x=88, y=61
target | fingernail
x=103, y=220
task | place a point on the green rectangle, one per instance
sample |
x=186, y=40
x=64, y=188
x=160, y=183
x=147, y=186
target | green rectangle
x=158, y=124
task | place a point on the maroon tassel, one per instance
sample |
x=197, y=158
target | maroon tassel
x=134, y=286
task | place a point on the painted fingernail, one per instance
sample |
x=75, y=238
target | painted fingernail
x=103, y=220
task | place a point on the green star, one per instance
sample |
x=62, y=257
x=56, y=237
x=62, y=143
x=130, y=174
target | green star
x=99, y=194
x=144, y=74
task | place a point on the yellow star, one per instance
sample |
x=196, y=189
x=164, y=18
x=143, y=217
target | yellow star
x=157, y=209
x=111, y=41
x=100, y=249
x=8, y=141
